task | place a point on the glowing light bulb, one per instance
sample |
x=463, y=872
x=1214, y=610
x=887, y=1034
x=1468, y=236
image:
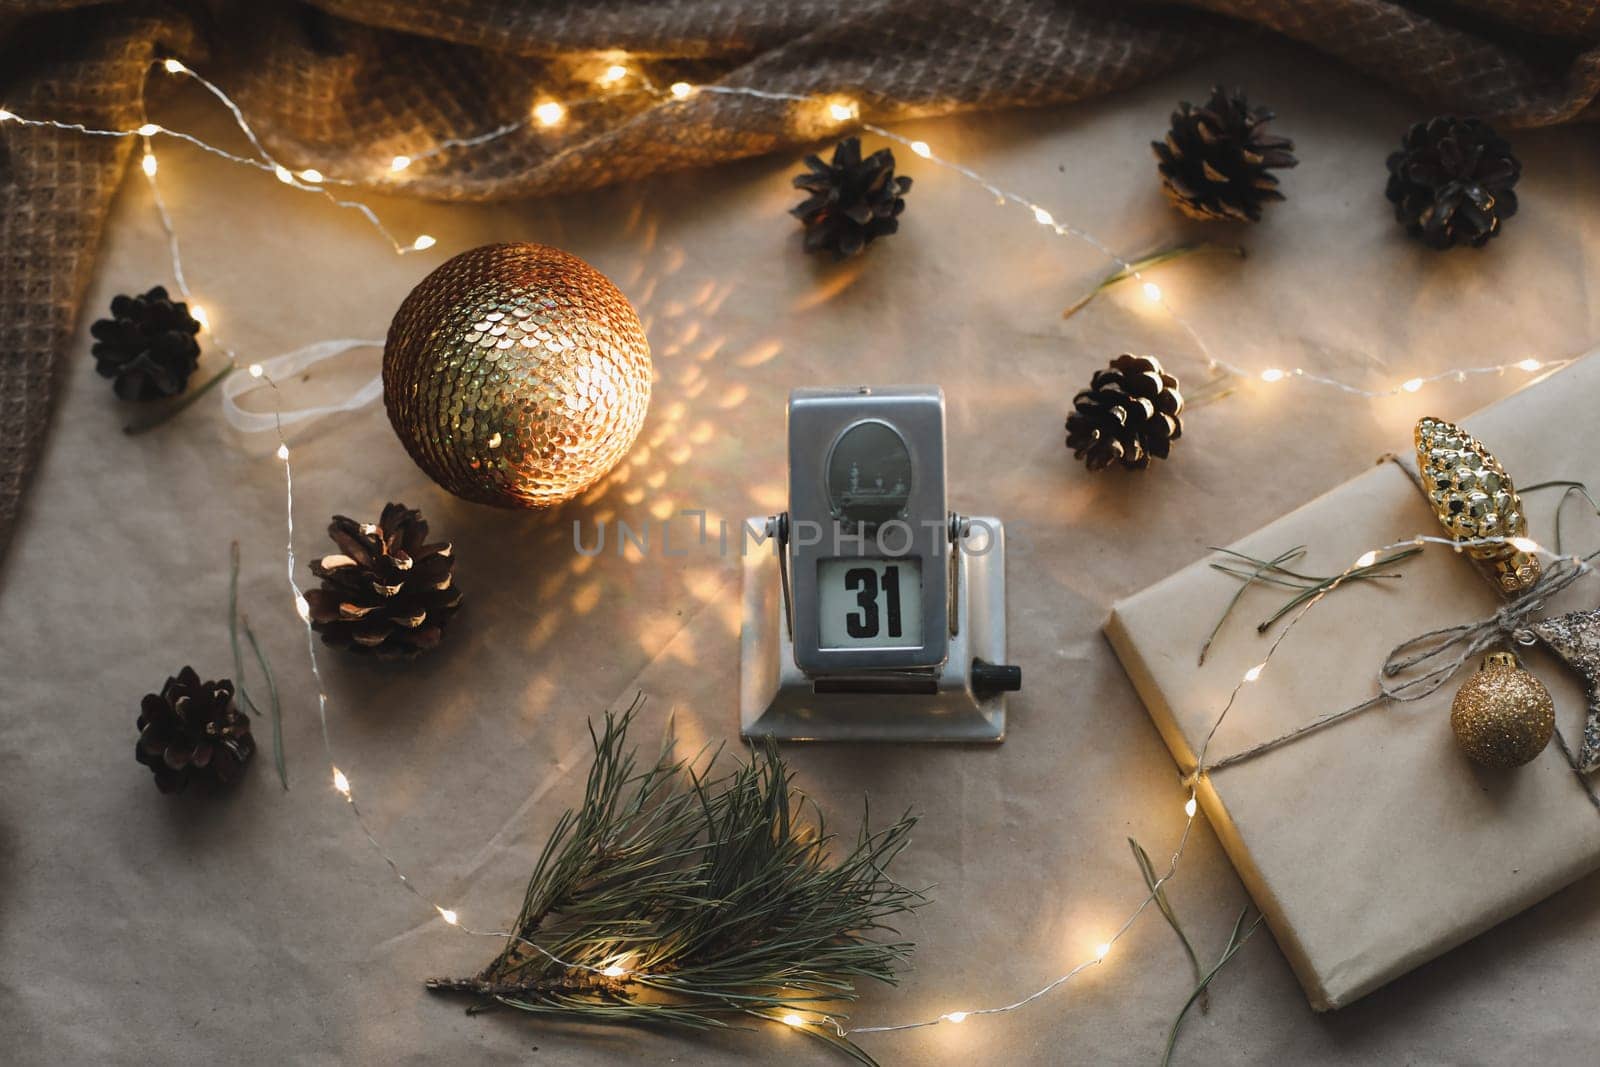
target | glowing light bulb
x=6, y=115
x=921, y=148
x=399, y=162
x=955, y=1016
x=311, y=174
x=149, y=129
x=282, y=174
x=1189, y=807
x=614, y=73
x=423, y=242
x=283, y=454
x=149, y=165
x=1272, y=374
x=199, y=315
x=1043, y=217
x=549, y=113
x=1411, y=385
x=1103, y=951
x=614, y=971
x=1254, y=672
x=340, y=782
x=1530, y=364
x=447, y=915
x=256, y=370
x=1152, y=292
x=1367, y=559
x=681, y=90
x=844, y=112
x=1524, y=544
x=172, y=66
x=793, y=1020
x=302, y=607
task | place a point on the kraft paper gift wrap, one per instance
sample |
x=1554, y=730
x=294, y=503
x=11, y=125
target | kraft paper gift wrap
x=1374, y=845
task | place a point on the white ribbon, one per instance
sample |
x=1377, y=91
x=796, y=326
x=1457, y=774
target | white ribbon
x=285, y=366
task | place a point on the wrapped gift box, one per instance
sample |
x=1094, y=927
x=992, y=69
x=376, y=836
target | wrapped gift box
x=1373, y=845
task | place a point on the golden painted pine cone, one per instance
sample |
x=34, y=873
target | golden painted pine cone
x=1475, y=500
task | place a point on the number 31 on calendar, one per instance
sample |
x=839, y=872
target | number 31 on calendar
x=870, y=603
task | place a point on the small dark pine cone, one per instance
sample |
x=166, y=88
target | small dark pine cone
x=148, y=346
x=1217, y=160
x=853, y=200
x=1451, y=182
x=1128, y=414
x=191, y=729
x=386, y=592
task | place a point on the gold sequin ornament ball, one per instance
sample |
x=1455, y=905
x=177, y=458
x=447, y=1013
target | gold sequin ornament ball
x=516, y=375
x=1502, y=716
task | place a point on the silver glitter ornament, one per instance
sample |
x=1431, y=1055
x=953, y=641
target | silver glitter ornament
x=1576, y=639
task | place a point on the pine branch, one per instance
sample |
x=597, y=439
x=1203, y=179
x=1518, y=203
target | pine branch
x=678, y=894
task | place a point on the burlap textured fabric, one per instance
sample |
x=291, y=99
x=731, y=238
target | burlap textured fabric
x=346, y=85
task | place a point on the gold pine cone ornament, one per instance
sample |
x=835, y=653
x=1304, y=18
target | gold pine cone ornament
x=516, y=375
x=1474, y=499
x=1502, y=716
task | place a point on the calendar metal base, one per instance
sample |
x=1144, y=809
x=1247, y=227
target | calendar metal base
x=777, y=700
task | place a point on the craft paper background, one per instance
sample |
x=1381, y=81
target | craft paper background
x=137, y=927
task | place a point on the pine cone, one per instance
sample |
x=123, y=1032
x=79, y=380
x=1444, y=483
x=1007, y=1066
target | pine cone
x=191, y=729
x=386, y=592
x=853, y=200
x=1216, y=161
x=148, y=346
x=1451, y=182
x=1128, y=414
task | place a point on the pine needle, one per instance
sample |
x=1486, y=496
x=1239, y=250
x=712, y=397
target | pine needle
x=1144, y=263
x=720, y=897
x=1261, y=567
x=276, y=712
x=176, y=407
x=1236, y=941
x=233, y=629
x=1153, y=884
x=1306, y=586
x=235, y=621
x=1569, y=489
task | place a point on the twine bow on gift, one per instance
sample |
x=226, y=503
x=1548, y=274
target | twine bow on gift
x=1445, y=651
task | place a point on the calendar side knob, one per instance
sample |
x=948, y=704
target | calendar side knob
x=990, y=678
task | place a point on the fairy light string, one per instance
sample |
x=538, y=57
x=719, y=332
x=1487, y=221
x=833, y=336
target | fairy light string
x=844, y=112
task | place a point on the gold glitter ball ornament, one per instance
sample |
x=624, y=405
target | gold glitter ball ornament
x=1502, y=716
x=516, y=375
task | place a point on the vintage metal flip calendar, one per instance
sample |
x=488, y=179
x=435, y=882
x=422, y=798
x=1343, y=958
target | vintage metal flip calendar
x=874, y=612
